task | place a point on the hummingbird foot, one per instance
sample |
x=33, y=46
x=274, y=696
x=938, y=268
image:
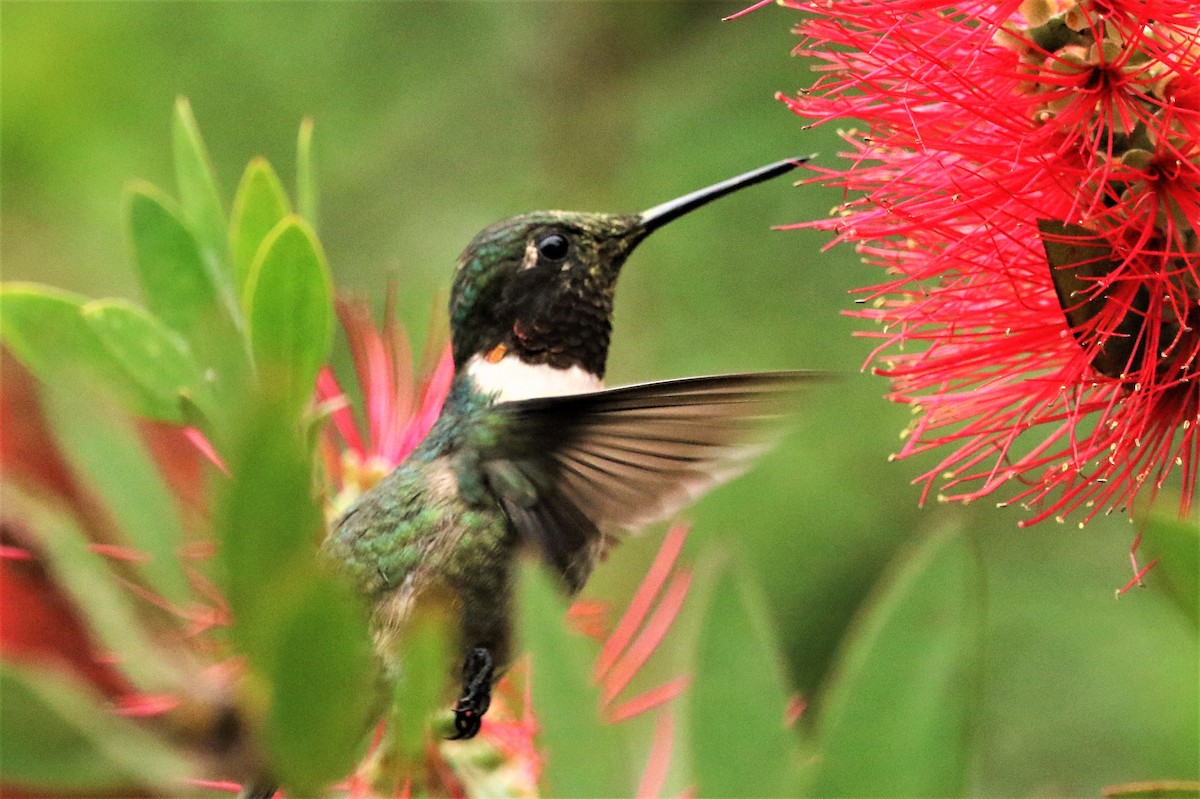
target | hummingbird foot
x=476, y=694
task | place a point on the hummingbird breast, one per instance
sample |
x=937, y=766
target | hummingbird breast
x=423, y=538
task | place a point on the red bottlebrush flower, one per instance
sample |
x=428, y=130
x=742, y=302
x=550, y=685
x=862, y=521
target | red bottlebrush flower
x=1029, y=178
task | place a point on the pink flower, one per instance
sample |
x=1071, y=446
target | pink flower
x=398, y=409
x=1028, y=176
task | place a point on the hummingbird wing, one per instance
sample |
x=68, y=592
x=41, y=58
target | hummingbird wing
x=626, y=457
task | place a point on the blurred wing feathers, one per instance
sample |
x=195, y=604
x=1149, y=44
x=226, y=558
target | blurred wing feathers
x=631, y=456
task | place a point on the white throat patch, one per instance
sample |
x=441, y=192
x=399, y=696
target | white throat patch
x=510, y=379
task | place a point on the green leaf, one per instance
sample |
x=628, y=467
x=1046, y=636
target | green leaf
x=269, y=523
x=289, y=301
x=42, y=327
x=104, y=604
x=305, y=638
x=258, y=206
x=896, y=717
x=738, y=700
x=324, y=689
x=107, y=453
x=155, y=358
x=56, y=736
x=200, y=199
x=583, y=756
x=45, y=328
x=178, y=286
x=1175, y=544
x=422, y=685
x=306, y=175
x=181, y=288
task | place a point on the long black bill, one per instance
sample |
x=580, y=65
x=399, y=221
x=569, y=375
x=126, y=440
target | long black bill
x=660, y=215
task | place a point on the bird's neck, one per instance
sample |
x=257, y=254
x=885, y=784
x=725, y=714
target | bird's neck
x=511, y=378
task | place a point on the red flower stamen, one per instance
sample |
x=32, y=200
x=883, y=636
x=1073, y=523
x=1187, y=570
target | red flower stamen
x=1067, y=379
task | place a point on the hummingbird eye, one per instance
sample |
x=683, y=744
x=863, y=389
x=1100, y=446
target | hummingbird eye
x=553, y=247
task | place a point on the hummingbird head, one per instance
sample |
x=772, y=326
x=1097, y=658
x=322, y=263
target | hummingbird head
x=540, y=287
x=536, y=290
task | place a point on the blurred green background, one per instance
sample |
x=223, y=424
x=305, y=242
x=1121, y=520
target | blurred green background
x=435, y=119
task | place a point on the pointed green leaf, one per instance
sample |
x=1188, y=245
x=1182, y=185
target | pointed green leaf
x=896, y=716
x=1175, y=544
x=181, y=289
x=178, y=286
x=45, y=328
x=305, y=638
x=323, y=688
x=199, y=197
x=56, y=736
x=155, y=357
x=105, y=605
x=583, y=756
x=289, y=301
x=738, y=700
x=425, y=648
x=42, y=327
x=268, y=527
x=259, y=205
x=306, y=177
x=106, y=452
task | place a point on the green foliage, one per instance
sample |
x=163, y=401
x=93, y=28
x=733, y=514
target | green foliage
x=302, y=631
x=267, y=527
x=105, y=451
x=896, y=718
x=201, y=200
x=56, y=737
x=157, y=361
x=88, y=579
x=194, y=356
x=739, y=696
x=186, y=290
x=584, y=757
x=1175, y=544
x=321, y=698
x=419, y=689
x=259, y=205
x=306, y=182
x=289, y=302
x=46, y=329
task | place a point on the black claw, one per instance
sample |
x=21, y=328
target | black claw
x=476, y=694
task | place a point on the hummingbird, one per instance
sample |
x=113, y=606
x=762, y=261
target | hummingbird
x=530, y=451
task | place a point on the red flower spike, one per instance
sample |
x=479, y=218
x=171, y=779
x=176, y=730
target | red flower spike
x=397, y=415
x=40, y=624
x=795, y=709
x=648, y=700
x=639, y=606
x=589, y=617
x=983, y=122
x=632, y=660
x=747, y=10
x=654, y=778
